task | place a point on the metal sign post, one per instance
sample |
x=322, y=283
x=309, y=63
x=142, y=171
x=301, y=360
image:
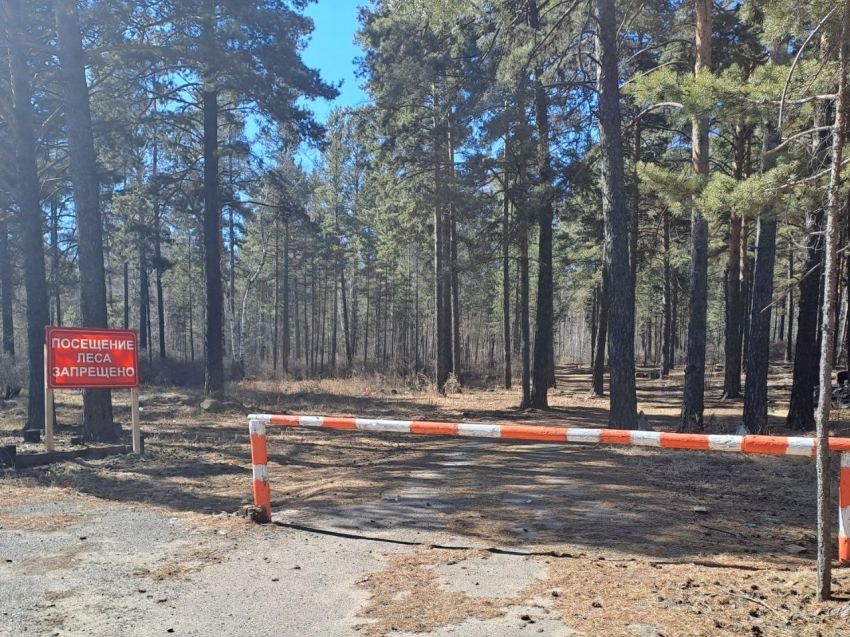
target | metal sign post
x=90, y=358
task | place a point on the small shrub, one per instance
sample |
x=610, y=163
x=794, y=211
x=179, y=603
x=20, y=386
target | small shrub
x=12, y=377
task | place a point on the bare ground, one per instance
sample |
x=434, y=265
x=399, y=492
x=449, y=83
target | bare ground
x=613, y=530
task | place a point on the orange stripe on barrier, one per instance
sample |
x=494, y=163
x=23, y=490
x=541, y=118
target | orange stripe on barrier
x=844, y=488
x=519, y=432
x=285, y=420
x=843, y=549
x=838, y=444
x=615, y=437
x=772, y=445
x=434, y=428
x=695, y=442
x=263, y=499
x=259, y=450
x=339, y=423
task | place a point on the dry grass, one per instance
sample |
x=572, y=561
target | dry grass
x=181, y=566
x=609, y=596
x=19, y=500
x=406, y=597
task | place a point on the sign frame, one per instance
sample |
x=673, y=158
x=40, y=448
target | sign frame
x=50, y=387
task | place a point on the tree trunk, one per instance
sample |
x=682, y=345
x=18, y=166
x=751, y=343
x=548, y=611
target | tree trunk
x=634, y=205
x=366, y=320
x=7, y=292
x=667, y=328
x=522, y=267
x=276, y=313
x=286, y=346
x=543, y=335
x=297, y=323
x=833, y=209
x=54, y=262
x=306, y=322
x=160, y=302
x=506, y=272
x=674, y=323
x=525, y=323
x=29, y=212
x=615, y=209
x=594, y=323
x=734, y=311
x=452, y=255
x=442, y=327
x=758, y=358
x=127, y=296
x=213, y=342
x=801, y=411
x=97, y=403
x=789, y=304
x=805, y=378
x=598, y=387
x=144, y=297
x=346, y=322
x=334, y=280
x=694, y=390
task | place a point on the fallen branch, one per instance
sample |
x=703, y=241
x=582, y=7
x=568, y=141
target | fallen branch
x=784, y=619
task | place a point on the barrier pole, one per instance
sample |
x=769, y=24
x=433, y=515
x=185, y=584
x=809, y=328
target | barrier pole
x=844, y=509
x=260, y=462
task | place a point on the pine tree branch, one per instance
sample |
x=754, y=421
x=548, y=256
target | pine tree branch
x=795, y=137
x=797, y=59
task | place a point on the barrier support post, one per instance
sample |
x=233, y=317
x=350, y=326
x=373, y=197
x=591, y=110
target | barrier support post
x=48, y=409
x=260, y=462
x=134, y=416
x=844, y=509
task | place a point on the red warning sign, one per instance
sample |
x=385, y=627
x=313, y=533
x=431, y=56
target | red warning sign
x=90, y=358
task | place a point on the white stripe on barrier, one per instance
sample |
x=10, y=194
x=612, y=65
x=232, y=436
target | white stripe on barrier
x=311, y=421
x=801, y=447
x=646, y=438
x=724, y=443
x=263, y=417
x=261, y=472
x=257, y=427
x=394, y=426
x=583, y=435
x=477, y=430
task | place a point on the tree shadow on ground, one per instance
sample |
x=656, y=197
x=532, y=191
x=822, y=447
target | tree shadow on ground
x=500, y=494
x=495, y=493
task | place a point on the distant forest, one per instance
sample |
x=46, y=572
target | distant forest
x=532, y=183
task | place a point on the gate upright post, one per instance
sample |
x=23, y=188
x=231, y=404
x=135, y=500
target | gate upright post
x=844, y=509
x=260, y=462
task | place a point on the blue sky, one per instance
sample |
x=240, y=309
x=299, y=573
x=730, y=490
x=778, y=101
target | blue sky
x=332, y=51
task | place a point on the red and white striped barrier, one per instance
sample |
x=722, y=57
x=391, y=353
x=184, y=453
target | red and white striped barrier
x=770, y=445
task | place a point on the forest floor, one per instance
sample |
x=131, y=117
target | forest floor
x=382, y=535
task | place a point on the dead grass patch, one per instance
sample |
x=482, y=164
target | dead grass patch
x=617, y=597
x=406, y=597
x=39, y=522
x=67, y=558
x=181, y=566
